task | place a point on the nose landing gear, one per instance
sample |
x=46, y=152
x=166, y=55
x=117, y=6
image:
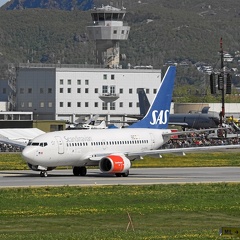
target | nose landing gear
x=43, y=174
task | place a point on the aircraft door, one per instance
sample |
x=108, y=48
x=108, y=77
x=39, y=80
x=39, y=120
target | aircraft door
x=60, y=145
x=152, y=139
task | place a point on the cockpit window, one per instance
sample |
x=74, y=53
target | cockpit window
x=35, y=144
x=42, y=144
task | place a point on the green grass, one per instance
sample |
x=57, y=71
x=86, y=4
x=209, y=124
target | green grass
x=187, y=211
x=14, y=161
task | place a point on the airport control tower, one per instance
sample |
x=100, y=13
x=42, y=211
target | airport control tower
x=107, y=30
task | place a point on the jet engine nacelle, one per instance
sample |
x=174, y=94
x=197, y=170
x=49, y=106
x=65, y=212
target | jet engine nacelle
x=114, y=164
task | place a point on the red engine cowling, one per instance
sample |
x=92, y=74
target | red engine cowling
x=114, y=164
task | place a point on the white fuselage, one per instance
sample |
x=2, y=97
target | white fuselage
x=83, y=147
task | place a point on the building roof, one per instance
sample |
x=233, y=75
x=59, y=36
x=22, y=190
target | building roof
x=20, y=134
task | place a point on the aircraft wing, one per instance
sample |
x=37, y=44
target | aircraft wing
x=12, y=142
x=178, y=124
x=177, y=151
x=182, y=151
x=19, y=136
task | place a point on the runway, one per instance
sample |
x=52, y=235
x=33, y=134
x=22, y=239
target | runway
x=137, y=176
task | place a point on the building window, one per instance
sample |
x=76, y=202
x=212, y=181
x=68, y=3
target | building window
x=130, y=104
x=21, y=90
x=86, y=90
x=104, y=76
x=22, y=104
x=112, y=89
x=49, y=90
x=41, y=104
x=130, y=90
x=79, y=82
x=61, y=81
x=104, y=106
x=78, y=104
x=29, y=104
x=147, y=90
x=29, y=90
x=104, y=89
x=112, y=77
x=137, y=104
x=96, y=90
x=96, y=104
x=61, y=90
x=114, y=31
x=69, y=104
x=86, y=104
x=78, y=90
x=121, y=104
x=86, y=82
x=154, y=90
x=121, y=90
x=61, y=104
x=50, y=104
x=41, y=90
x=112, y=106
x=122, y=31
x=69, y=81
x=4, y=91
x=69, y=90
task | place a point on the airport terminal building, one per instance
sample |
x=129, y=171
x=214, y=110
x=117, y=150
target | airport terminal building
x=69, y=92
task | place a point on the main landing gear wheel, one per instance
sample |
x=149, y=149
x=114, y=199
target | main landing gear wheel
x=43, y=174
x=79, y=171
x=125, y=174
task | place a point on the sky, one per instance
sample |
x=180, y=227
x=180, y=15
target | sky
x=3, y=2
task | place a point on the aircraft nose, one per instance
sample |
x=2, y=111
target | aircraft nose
x=28, y=155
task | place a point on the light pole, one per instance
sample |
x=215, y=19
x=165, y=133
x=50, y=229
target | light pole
x=221, y=83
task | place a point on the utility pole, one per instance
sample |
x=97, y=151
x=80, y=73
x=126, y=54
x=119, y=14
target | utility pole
x=221, y=83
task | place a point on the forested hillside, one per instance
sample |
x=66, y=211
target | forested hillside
x=161, y=31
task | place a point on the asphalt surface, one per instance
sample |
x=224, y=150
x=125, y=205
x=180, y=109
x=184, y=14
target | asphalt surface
x=137, y=176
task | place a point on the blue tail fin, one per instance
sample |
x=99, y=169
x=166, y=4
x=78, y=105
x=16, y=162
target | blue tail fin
x=158, y=113
x=143, y=101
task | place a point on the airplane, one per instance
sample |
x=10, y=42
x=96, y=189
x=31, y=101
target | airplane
x=112, y=150
x=102, y=125
x=197, y=120
x=89, y=124
x=194, y=120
